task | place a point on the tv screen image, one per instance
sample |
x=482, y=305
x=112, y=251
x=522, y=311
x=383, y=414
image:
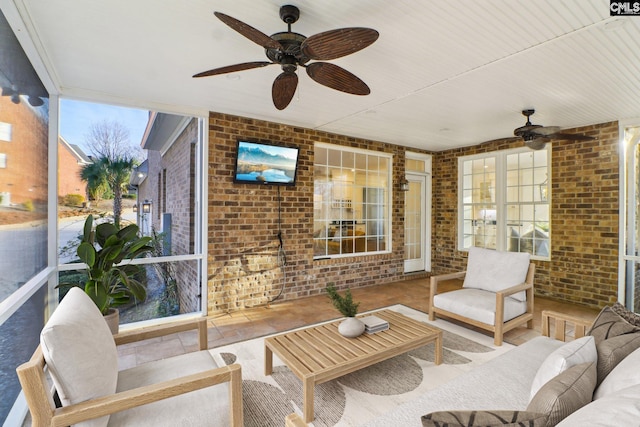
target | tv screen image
x=264, y=163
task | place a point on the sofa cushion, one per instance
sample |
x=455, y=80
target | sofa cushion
x=478, y=305
x=494, y=271
x=624, y=375
x=613, y=350
x=626, y=314
x=206, y=407
x=566, y=393
x=484, y=419
x=573, y=353
x=610, y=324
x=621, y=408
x=80, y=352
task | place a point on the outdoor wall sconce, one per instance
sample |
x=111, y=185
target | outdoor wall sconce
x=544, y=190
x=135, y=207
x=404, y=185
x=146, y=207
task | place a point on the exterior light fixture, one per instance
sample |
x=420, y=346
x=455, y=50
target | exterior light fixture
x=404, y=185
x=146, y=207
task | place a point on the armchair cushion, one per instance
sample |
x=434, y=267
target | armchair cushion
x=80, y=352
x=478, y=305
x=494, y=271
x=208, y=406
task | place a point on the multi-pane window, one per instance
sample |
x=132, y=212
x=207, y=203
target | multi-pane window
x=504, y=201
x=352, y=206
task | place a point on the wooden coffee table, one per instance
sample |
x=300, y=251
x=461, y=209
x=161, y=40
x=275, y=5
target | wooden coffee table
x=319, y=354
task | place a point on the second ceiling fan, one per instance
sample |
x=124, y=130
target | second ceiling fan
x=290, y=50
x=536, y=136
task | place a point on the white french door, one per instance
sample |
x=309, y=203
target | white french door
x=417, y=221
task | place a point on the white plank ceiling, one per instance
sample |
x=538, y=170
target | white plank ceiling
x=442, y=74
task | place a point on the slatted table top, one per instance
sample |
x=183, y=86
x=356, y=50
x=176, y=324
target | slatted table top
x=319, y=353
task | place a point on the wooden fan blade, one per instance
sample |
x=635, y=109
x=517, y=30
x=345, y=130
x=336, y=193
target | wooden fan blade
x=249, y=32
x=546, y=130
x=337, y=43
x=503, y=140
x=283, y=89
x=337, y=78
x=233, y=68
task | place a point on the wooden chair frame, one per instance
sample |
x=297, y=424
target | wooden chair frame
x=39, y=395
x=561, y=322
x=500, y=326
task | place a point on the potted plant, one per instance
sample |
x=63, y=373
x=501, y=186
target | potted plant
x=109, y=284
x=352, y=326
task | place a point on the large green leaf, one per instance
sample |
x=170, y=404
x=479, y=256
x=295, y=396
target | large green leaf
x=88, y=227
x=128, y=233
x=98, y=294
x=103, y=231
x=87, y=253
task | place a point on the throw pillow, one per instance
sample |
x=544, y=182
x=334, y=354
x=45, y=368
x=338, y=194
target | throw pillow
x=484, y=419
x=624, y=375
x=621, y=408
x=610, y=324
x=573, y=353
x=494, y=271
x=613, y=350
x=80, y=352
x=626, y=314
x=566, y=393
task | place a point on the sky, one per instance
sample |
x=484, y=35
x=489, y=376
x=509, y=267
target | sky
x=77, y=117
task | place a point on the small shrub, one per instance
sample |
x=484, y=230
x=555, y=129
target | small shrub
x=73, y=200
x=28, y=205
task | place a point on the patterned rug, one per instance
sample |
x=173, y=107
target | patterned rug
x=359, y=397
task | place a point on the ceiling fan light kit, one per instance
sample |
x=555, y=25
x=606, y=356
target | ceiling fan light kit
x=291, y=50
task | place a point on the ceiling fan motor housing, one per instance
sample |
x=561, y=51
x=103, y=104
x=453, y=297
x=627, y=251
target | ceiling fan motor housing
x=291, y=43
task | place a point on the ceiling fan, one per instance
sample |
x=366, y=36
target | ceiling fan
x=536, y=136
x=290, y=50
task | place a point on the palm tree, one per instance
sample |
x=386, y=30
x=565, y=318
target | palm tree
x=115, y=173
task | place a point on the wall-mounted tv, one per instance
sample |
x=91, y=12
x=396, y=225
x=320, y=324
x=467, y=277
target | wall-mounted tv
x=265, y=163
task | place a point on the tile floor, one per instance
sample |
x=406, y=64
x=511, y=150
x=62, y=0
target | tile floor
x=281, y=316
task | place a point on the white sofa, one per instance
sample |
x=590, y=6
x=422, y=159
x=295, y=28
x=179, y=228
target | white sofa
x=505, y=383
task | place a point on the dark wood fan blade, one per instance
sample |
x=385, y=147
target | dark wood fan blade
x=249, y=32
x=337, y=78
x=337, y=43
x=546, y=130
x=233, y=68
x=503, y=140
x=283, y=89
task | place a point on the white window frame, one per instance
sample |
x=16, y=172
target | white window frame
x=345, y=203
x=501, y=219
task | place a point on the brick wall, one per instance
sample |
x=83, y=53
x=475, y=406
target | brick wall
x=584, y=217
x=243, y=265
x=170, y=186
x=25, y=177
x=69, y=170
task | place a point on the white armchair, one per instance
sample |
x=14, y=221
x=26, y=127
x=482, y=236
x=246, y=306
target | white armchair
x=497, y=294
x=79, y=352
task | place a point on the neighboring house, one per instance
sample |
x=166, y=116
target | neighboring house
x=71, y=160
x=22, y=134
x=166, y=195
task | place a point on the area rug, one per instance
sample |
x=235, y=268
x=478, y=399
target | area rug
x=359, y=397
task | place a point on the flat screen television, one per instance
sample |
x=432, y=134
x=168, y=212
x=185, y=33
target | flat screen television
x=265, y=163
